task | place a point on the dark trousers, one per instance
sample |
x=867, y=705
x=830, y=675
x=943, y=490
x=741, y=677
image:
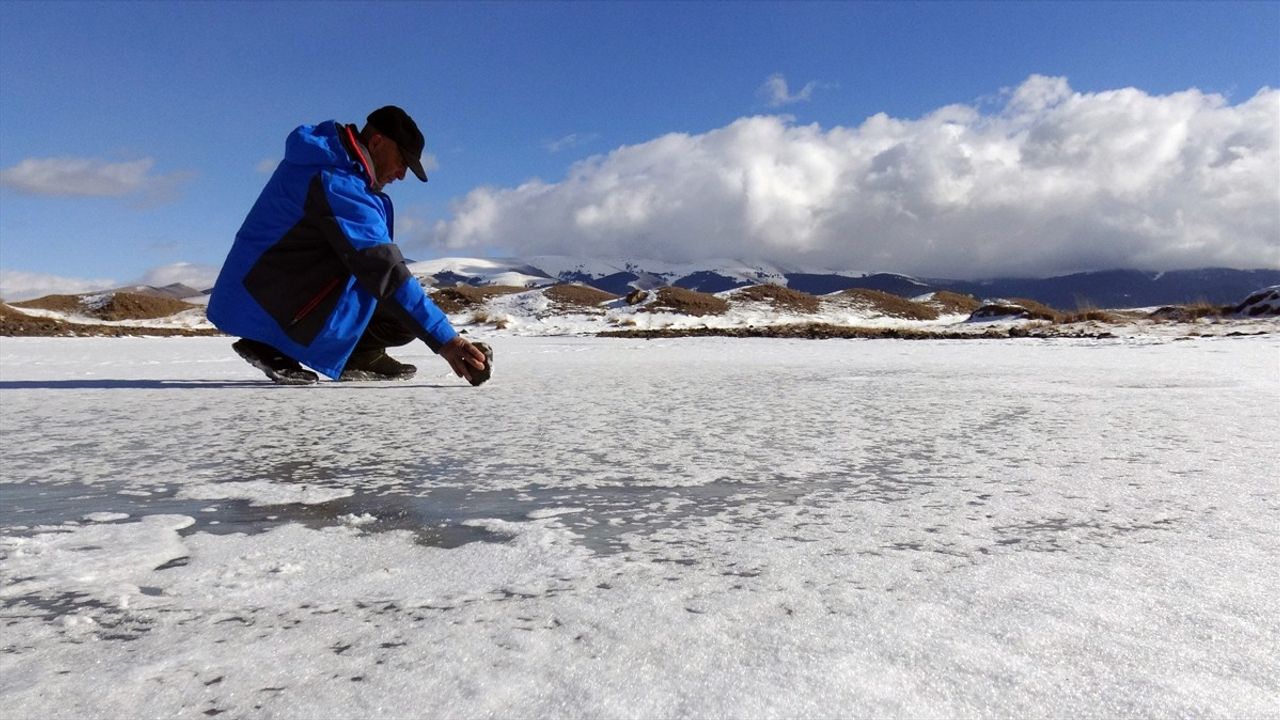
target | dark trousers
x=386, y=329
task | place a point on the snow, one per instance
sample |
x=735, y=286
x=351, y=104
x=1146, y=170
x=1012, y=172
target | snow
x=192, y=319
x=1265, y=302
x=531, y=313
x=507, y=271
x=489, y=271
x=623, y=528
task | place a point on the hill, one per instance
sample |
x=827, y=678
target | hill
x=528, y=301
x=1106, y=289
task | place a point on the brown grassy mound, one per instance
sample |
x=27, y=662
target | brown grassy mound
x=1089, y=315
x=1018, y=308
x=824, y=331
x=116, y=306
x=1037, y=310
x=573, y=297
x=781, y=298
x=461, y=298
x=1189, y=313
x=949, y=303
x=886, y=304
x=993, y=310
x=687, y=302
x=56, y=303
x=133, y=306
x=14, y=323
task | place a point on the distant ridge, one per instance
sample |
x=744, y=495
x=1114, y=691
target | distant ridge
x=177, y=291
x=1103, y=289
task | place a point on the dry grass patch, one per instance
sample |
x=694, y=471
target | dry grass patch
x=808, y=331
x=1088, y=312
x=1189, y=313
x=113, y=306
x=781, y=298
x=887, y=304
x=56, y=303
x=686, y=302
x=15, y=323
x=1089, y=315
x=135, y=306
x=461, y=298
x=950, y=303
x=576, y=297
x=1037, y=310
x=1018, y=308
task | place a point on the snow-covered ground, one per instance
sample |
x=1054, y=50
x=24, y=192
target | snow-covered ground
x=627, y=528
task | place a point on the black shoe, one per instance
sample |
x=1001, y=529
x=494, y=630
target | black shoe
x=377, y=365
x=282, y=369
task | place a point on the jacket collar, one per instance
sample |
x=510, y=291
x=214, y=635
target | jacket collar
x=359, y=154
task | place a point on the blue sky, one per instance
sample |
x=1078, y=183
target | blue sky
x=135, y=136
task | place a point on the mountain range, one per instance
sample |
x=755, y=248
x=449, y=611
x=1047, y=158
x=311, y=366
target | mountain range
x=1104, y=289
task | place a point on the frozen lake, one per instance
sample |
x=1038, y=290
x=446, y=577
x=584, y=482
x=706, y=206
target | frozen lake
x=628, y=528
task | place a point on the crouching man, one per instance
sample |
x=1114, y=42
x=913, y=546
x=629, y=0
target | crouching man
x=314, y=277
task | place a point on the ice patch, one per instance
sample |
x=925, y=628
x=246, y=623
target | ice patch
x=553, y=512
x=357, y=520
x=102, y=562
x=105, y=516
x=264, y=492
x=684, y=528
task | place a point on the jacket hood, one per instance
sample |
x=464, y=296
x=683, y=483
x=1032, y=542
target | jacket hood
x=316, y=145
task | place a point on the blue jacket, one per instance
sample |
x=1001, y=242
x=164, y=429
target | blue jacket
x=315, y=257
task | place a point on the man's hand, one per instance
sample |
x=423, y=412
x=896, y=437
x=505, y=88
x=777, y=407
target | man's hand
x=467, y=360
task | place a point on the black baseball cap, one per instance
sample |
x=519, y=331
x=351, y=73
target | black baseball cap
x=397, y=125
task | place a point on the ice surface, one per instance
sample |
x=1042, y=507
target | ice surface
x=617, y=528
x=265, y=492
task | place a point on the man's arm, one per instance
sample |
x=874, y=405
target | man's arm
x=363, y=242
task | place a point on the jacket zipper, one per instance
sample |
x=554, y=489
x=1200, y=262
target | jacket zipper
x=313, y=302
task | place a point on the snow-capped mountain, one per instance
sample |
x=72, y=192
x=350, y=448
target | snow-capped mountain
x=620, y=276
x=1109, y=288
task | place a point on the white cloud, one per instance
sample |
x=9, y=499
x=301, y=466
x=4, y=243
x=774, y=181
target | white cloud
x=16, y=285
x=89, y=177
x=429, y=163
x=775, y=92
x=1052, y=181
x=198, y=277
x=569, y=141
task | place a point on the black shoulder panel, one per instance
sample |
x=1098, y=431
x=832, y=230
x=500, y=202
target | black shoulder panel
x=380, y=269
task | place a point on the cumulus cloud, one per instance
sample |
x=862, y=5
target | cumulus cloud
x=16, y=285
x=1050, y=181
x=429, y=163
x=775, y=92
x=569, y=141
x=87, y=177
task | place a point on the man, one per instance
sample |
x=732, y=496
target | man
x=314, y=276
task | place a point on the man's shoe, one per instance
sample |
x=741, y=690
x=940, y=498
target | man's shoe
x=280, y=368
x=376, y=366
